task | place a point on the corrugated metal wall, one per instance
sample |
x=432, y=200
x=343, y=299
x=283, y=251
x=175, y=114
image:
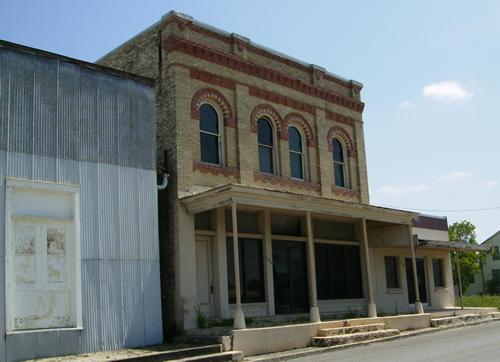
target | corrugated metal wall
x=63, y=123
x=57, y=109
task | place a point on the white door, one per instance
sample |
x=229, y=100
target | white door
x=204, y=276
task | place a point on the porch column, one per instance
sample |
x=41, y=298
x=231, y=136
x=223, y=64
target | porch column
x=418, y=304
x=311, y=266
x=372, y=307
x=268, y=258
x=239, y=317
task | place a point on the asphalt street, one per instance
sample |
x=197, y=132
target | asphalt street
x=474, y=343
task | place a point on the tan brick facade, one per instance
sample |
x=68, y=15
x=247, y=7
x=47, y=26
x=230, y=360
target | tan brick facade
x=193, y=65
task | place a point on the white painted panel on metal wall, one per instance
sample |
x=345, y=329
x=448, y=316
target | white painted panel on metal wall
x=19, y=165
x=128, y=213
x=148, y=215
x=37, y=203
x=111, y=295
x=44, y=168
x=133, y=315
x=152, y=301
x=92, y=323
x=89, y=210
x=108, y=211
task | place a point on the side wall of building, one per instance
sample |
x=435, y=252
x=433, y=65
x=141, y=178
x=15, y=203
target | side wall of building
x=64, y=124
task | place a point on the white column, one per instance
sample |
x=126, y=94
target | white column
x=220, y=277
x=239, y=317
x=371, y=306
x=418, y=304
x=311, y=272
x=268, y=259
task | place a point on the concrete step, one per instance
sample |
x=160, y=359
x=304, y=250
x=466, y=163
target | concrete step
x=175, y=354
x=463, y=319
x=216, y=357
x=351, y=329
x=352, y=338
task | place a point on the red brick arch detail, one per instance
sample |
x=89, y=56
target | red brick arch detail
x=266, y=111
x=210, y=95
x=338, y=132
x=295, y=119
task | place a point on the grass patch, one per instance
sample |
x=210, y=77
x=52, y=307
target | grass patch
x=480, y=301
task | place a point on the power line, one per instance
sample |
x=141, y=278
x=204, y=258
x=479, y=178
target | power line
x=442, y=210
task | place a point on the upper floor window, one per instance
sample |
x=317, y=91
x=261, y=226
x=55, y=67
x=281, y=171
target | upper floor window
x=339, y=164
x=266, y=146
x=209, y=135
x=296, y=153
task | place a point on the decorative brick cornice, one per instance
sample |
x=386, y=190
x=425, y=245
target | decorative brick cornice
x=212, y=96
x=346, y=192
x=295, y=119
x=286, y=182
x=280, y=99
x=340, y=118
x=212, y=78
x=183, y=23
x=337, y=132
x=215, y=169
x=265, y=110
x=238, y=64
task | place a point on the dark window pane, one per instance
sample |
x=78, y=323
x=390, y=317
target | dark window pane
x=437, y=269
x=286, y=225
x=496, y=254
x=338, y=152
x=265, y=159
x=338, y=271
x=251, y=271
x=391, y=272
x=322, y=271
x=247, y=221
x=209, y=122
x=496, y=274
x=338, y=170
x=296, y=165
x=353, y=272
x=324, y=229
x=202, y=221
x=294, y=139
x=265, y=132
x=209, y=148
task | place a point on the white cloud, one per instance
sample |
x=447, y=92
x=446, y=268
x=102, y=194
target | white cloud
x=404, y=189
x=406, y=105
x=490, y=183
x=452, y=91
x=454, y=177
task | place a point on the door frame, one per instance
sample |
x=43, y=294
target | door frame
x=210, y=306
x=426, y=274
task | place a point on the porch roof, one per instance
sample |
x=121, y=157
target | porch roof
x=274, y=199
x=453, y=246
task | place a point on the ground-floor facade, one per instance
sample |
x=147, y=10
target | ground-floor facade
x=297, y=255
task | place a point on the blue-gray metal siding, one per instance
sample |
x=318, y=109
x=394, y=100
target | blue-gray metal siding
x=63, y=123
x=53, y=108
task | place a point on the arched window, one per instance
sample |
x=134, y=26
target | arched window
x=339, y=164
x=296, y=153
x=266, y=146
x=209, y=135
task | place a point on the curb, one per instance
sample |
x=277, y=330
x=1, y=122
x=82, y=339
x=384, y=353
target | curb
x=310, y=351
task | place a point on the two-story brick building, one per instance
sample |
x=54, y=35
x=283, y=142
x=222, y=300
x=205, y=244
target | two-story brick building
x=267, y=163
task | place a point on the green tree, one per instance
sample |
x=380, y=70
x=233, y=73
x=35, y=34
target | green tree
x=470, y=262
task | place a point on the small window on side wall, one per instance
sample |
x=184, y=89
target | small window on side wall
x=266, y=146
x=437, y=269
x=391, y=272
x=209, y=135
x=339, y=164
x=296, y=153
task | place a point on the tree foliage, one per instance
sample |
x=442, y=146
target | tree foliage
x=470, y=263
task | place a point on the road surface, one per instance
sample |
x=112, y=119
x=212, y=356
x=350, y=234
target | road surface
x=474, y=343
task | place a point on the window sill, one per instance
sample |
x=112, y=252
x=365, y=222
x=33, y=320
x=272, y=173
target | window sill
x=394, y=291
x=440, y=289
x=46, y=330
x=215, y=169
x=256, y=304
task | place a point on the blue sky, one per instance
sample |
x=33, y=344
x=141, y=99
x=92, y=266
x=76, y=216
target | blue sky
x=430, y=71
